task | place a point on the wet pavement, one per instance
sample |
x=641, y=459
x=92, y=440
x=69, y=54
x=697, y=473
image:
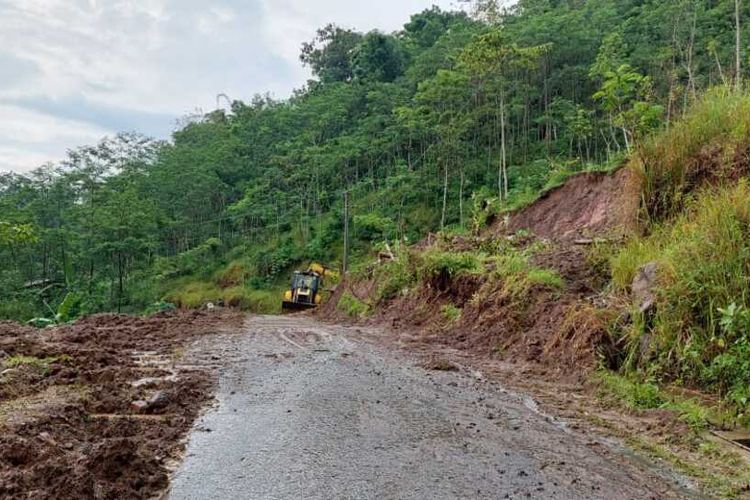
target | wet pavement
x=306, y=410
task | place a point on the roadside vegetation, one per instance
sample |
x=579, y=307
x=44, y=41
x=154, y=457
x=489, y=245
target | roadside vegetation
x=484, y=107
x=697, y=207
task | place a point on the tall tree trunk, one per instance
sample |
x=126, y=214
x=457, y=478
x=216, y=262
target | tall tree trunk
x=445, y=195
x=503, y=177
x=120, y=279
x=461, y=199
x=738, y=42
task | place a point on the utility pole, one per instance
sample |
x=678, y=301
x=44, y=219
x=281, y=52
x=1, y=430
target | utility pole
x=346, y=232
x=738, y=58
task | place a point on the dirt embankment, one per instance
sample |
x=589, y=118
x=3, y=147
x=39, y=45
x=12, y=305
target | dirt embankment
x=591, y=204
x=558, y=330
x=97, y=409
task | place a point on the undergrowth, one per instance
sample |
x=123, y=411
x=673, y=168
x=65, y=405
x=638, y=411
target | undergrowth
x=195, y=294
x=709, y=144
x=352, y=306
x=699, y=333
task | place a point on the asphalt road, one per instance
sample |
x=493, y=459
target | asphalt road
x=318, y=412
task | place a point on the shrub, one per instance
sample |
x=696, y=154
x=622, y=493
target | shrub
x=439, y=264
x=699, y=332
x=373, y=227
x=234, y=274
x=395, y=277
x=352, y=306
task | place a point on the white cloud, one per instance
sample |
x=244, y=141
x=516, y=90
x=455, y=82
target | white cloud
x=69, y=68
x=30, y=138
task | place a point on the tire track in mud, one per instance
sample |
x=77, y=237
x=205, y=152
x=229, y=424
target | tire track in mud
x=311, y=411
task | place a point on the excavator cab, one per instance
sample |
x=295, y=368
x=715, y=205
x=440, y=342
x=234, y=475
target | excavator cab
x=304, y=292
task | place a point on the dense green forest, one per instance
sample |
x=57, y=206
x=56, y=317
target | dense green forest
x=423, y=127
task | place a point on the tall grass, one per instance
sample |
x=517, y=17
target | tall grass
x=704, y=271
x=706, y=140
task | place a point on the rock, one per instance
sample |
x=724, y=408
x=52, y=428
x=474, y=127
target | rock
x=146, y=382
x=644, y=285
x=47, y=438
x=139, y=406
x=158, y=401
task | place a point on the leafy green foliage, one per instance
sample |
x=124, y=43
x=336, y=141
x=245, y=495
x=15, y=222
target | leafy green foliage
x=446, y=265
x=700, y=331
x=16, y=234
x=352, y=306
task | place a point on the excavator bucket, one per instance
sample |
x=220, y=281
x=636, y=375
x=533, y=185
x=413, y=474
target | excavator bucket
x=296, y=306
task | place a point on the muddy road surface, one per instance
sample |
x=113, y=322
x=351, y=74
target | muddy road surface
x=306, y=410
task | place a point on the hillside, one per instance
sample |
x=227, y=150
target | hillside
x=420, y=126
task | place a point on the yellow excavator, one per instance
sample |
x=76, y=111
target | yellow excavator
x=306, y=289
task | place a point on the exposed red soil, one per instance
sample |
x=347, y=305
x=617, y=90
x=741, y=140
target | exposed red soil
x=589, y=204
x=68, y=426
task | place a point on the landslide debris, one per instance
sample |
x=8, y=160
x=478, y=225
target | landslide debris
x=70, y=425
x=536, y=298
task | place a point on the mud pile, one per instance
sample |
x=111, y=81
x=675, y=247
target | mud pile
x=97, y=409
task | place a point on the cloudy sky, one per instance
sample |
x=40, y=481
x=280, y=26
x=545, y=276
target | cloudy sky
x=72, y=71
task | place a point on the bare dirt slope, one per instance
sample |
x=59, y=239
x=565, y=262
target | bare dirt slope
x=590, y=204
x=307, y=410
x=97, y=409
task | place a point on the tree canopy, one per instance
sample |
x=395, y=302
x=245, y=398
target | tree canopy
x=411, y=123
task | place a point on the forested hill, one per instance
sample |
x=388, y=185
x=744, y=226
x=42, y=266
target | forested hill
x=424, y=127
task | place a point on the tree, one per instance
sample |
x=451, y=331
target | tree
x=329, y=54
x=624, y=95
x=424, y=29
x=491, y=59
x=16, y=234
x=738, y=45
x=378, y=58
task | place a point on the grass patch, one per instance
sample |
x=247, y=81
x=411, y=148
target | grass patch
x=704, y=144
x=437, y=264
x=41, y=364
x=635, y=392
x=450, y=313
x=700, y=331
x=517, y=274
x=193, y=295
x=352, y=306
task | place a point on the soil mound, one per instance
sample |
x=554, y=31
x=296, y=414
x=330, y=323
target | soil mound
x=97, y=408
x=587, y=205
